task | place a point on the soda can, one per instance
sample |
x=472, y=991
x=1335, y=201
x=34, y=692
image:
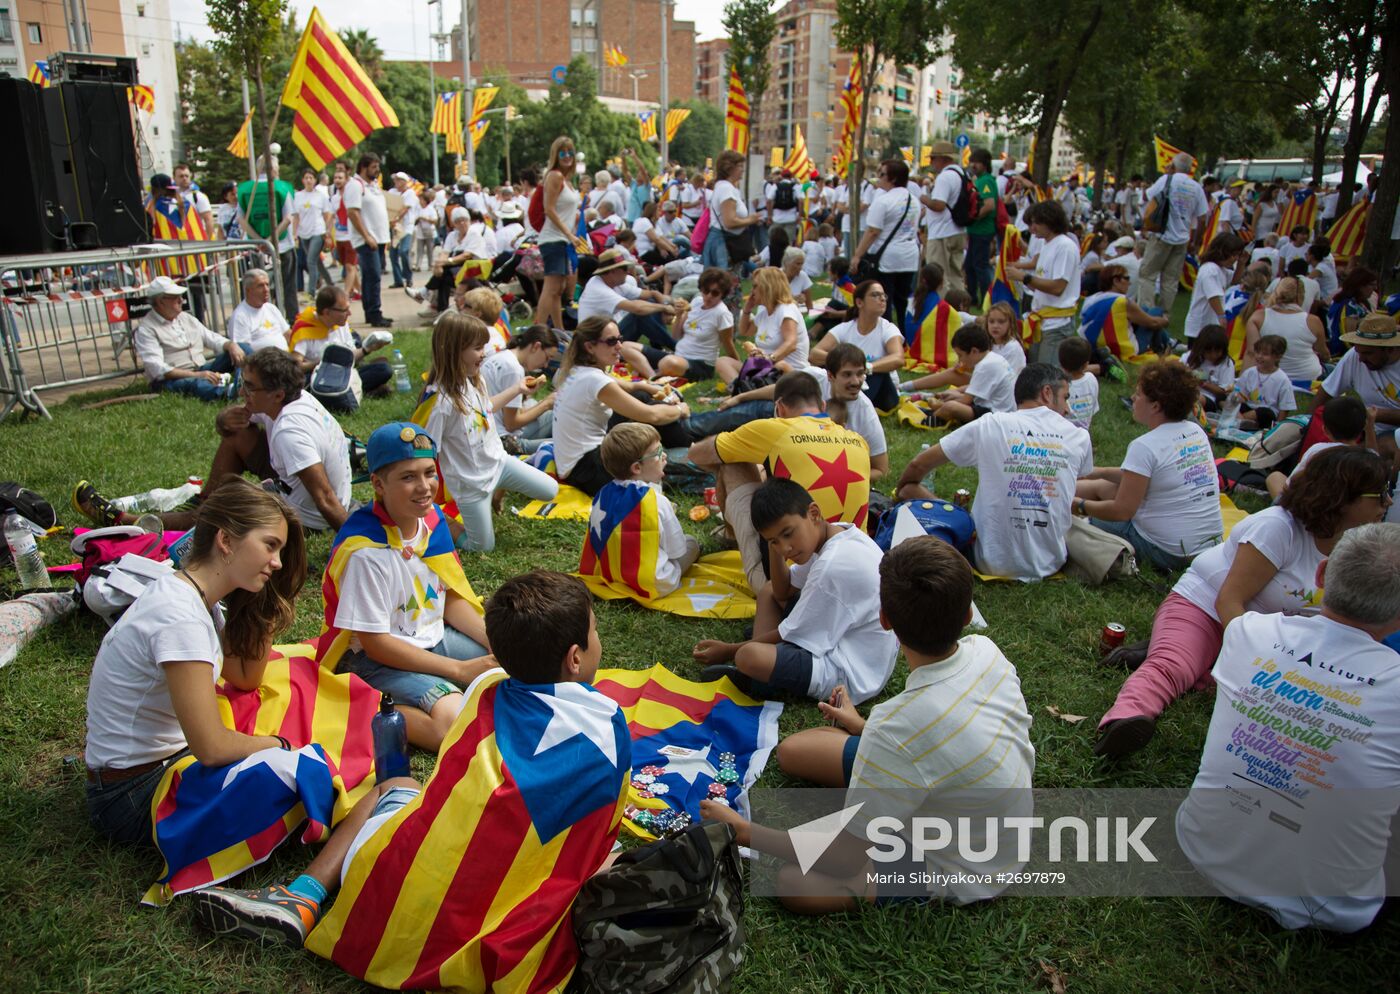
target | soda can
x=1111, y=638
x=711, y=501
x=962, y=498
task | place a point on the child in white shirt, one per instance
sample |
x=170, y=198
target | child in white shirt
x=702, y=332
x=1075, y=354
x=990, y=387
x=633, y=454
x=1265, y=391
x=1209, y=358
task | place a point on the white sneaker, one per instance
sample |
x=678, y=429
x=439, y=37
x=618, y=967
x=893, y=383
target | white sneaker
x=378, y=339
x=418, y=293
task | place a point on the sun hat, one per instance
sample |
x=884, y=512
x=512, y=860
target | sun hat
x=610, y=259
x=1375, y=329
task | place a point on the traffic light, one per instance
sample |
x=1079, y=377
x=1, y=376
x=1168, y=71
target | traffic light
x=938, y=97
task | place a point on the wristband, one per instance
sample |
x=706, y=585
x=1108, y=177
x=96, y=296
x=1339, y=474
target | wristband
x=284, y=743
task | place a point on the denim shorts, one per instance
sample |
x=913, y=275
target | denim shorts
x=389, y=802
x=419, y=690
x=848, y=757
x=555, y=257
x=121, y=811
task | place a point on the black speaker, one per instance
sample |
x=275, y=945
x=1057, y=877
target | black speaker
x=94, y=163
x=31, y=221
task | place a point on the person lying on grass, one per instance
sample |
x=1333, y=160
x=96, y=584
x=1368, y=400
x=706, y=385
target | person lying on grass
x=466, y=882
x=817, y=625
x=151, y=696
x=958, y=732
x=399, y=612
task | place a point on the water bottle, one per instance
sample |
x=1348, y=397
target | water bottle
x=29, y=561
x=1229, y=413
x=400, y=368
x=390, y=733
x=159, y=499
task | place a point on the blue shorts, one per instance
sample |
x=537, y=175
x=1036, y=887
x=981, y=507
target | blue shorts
x=792, y=670
x=419, y=690
x=555, y=257
x=848, y=757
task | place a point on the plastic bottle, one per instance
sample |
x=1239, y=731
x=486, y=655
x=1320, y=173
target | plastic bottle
x=160, y=499
x=400, y=368
x=390, y=733
x=1229, y=414
x=29, y=561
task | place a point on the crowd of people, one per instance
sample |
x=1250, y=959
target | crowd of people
x=794, y=450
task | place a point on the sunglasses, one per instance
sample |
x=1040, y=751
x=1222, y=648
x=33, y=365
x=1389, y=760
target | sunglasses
x=611, y=341
x=566, y=153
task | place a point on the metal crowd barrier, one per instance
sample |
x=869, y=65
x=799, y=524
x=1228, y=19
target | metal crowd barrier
x=66, y=318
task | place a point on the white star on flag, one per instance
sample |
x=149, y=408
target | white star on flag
x=579, y=712
x=596, y=518
x=688, y=763
x=282, y=762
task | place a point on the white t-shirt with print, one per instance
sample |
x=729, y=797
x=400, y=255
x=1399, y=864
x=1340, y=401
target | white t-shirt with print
x=1376, y=388
x=1211, y=283
x=303, y=435
x=1180, y=512
x=374, y=215
x=726, y=191
x=1325, y=786
x=1221, y=374
x=262, y=327
x=1274, y=391
x=1283, y=541
x=580, y=419
x=1083, y=400
x=470, y=453
x=1027, y=464
x=895, y=214
x=130, y=717
x=381, y=592
x=769, y=334
x=992, y=384
x=837, y=618
x=500, y=370
x=702, y=327
x=1188, y=205
x=311, y=207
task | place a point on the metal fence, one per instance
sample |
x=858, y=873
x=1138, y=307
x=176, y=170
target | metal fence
x=66, y=318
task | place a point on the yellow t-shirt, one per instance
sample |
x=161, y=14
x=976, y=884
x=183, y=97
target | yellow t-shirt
x=833, y=464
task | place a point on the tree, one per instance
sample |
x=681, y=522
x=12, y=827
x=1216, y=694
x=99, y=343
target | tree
x=1022, y=62
x=246, y=34
x=1366, y=57
x=751, y=27
x=573, y=108
x=364, y=48
x=1378, y=252
x=903, y=32
x=702, y=134
x=899, y=136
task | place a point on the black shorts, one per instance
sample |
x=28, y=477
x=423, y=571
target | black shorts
x=792, y=671
x=978, y=410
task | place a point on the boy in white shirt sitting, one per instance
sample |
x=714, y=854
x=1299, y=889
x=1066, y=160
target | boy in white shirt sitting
x=991, y=386
x=959, y=731
x=632, y=453
x=831, y=634
x=1075, y=354
x=1265, y=391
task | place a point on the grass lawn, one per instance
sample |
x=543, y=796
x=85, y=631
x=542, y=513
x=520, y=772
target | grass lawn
x=69, y=914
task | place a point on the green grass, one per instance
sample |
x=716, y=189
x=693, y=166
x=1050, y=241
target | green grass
x=69, y=917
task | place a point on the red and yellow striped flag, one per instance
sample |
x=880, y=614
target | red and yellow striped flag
x=612, y=56
x=799, y=163
x=736, y=116
x=455, y=144
x=1348, y=232
x=852, y=97
x=1164, y=152
x=336, y=104
x=674, y=119
x=142, y=97
x=481, y=99
x=646, y=125
x=39, y=74
x=447, y=114
x=239, y=145
x=478, y=133
x=1299, y=210
x=931, y=347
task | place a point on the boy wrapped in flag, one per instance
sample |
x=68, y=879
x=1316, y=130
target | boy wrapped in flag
x=465, y=883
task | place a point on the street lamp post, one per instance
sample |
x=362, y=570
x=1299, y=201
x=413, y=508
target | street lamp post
x=468, y=98
x=665, y=95
x=432, y=88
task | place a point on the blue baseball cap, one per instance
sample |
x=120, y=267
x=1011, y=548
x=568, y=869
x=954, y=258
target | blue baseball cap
x=397, y=441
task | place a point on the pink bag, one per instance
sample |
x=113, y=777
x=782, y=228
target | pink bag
x=702, y=230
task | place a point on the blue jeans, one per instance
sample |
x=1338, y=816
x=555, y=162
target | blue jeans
x=1164, y=561
x=121, y=811
x=714, y=253
x=314, y=269
x=371, y=272
x=419, y=690
x=1152, y=339
x=536, y=433
x=400, y=258
x=652, y=327
x=194, y=386
x=701, y=426
x=977, y=265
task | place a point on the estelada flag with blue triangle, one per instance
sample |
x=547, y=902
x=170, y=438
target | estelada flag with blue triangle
x=39, y=74
x=688, y=737
x=1103, y=320
x=1002, y=290
x=174, y=219
x=620, y=552
x=1299, y=209
x=1189, y=265
x=1238, y=310
x=211, y=823
x=468, y=887
x=370, y=527
x=928, y=335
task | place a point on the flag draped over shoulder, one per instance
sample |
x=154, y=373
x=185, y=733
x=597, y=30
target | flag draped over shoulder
x=173, y=219
x=468, y=887
x=682, y=729
x=307, y=328
x=1299, y=208
x=1189, y=266
x=1103, y=320
x=336, y=104
x=211, y=823
x=1238, y=311
x=736, y=115
x=370, y=527
x=799, y=163
x=1002, y=290
x=674, y=119
x=239, y=145
x=1348, y=232
x=928, y=335
x=620, y=552
x=1164, y=151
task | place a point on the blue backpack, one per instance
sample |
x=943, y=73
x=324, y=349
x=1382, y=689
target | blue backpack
x=939, y=518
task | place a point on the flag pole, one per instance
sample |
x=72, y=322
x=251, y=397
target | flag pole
x=248, y=128
x=665, y=89
x=468, y=98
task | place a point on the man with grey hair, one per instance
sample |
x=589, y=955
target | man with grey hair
x=257, y=323
x=1180, y=218
x=1300, y=776
x=170, y=343
x=1027, y=463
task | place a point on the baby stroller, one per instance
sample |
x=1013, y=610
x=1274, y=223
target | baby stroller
x=516, y=275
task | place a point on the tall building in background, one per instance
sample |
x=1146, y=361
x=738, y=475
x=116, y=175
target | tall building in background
x=150, y=38
x=805, y=81
x=711, y=71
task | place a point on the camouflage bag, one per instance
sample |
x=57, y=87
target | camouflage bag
x=667, y=916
